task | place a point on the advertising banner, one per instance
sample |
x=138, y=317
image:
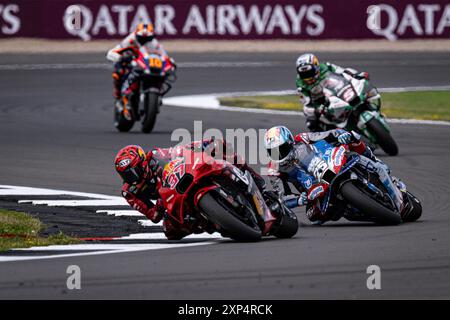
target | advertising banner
x=232, y=19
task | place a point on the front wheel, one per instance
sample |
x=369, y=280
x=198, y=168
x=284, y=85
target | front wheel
x=151, y=104
x=288, y=226
x=232, y=226
x=383, y=137
x=369, y=206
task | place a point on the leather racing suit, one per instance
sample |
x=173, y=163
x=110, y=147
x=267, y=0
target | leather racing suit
x=293, y=170
x=123, y=79
x=312, y=97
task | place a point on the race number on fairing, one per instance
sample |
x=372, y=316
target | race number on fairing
x=174, y=172
x=318, y=168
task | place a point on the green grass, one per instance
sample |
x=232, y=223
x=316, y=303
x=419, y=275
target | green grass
x=20, y=230
x=424, y=105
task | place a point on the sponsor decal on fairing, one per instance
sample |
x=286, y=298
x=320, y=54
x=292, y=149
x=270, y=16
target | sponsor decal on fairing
x=315, y=192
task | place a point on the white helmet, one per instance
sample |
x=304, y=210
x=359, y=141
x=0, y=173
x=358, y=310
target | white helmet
x=279, y=143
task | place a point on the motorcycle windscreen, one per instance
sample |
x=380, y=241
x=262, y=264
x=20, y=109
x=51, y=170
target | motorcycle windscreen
x=304, y=154
x=333, y=83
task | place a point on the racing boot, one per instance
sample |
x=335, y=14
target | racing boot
x=117, y=85
x=129, y=88
x=174, y=230
x=315, y=215
x=296, y=201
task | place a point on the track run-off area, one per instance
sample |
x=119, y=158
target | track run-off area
x=57, y=134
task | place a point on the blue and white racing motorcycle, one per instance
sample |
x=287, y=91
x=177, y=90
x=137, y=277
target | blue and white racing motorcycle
x=358, y=188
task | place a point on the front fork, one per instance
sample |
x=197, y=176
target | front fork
x=144, y=93
x=367, y=116
x=261, y=207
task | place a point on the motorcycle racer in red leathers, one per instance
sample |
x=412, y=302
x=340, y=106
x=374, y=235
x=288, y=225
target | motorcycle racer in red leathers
x=142, y=172
x=124, y=81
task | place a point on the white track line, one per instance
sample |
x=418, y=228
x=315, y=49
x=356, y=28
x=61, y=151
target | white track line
x=211, y=102
x=149, y=223
x=119, y=249
x=8, y=190
x=78, y=203
x=161, y=236
x=121, y=213
x=102, y=248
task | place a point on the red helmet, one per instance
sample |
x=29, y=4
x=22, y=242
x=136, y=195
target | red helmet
x=130, y=164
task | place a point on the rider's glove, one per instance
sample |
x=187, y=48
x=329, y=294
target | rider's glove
x=303, y=199
x=126, y=58
x=324, y=103
x=319, y=110
x=362, y=75
x=345, y=137
x=172, y=62
x=356, y=136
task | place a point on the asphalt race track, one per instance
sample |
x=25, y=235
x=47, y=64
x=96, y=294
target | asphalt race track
x=56, y=132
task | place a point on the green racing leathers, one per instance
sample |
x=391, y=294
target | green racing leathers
x=312, y=96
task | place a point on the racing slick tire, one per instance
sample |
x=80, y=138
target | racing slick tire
x=383, y=137
x=151, y=105
x=219, y=214
x=288, y=226
x=369, y=206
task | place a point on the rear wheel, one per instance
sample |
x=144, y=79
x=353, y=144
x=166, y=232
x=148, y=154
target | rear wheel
x=383, y=137
x=369, y=206
x=151, y=101
x=120, y=122
x=218, y=213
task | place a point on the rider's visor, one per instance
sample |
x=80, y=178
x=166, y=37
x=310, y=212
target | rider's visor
x=280, y=152
x=131, y=175
x=307, y=72
x=144, y=39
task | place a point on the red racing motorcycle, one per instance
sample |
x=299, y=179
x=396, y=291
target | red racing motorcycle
x=155, y=76
x=197, y=186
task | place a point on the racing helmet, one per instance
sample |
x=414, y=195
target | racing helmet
x=129, y=164
x=308, y=68
x=144, y=33
x=279, y=143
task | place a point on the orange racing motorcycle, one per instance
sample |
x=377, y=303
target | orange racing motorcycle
x=154, y=77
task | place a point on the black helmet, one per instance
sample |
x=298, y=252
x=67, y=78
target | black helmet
x=308, y=68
